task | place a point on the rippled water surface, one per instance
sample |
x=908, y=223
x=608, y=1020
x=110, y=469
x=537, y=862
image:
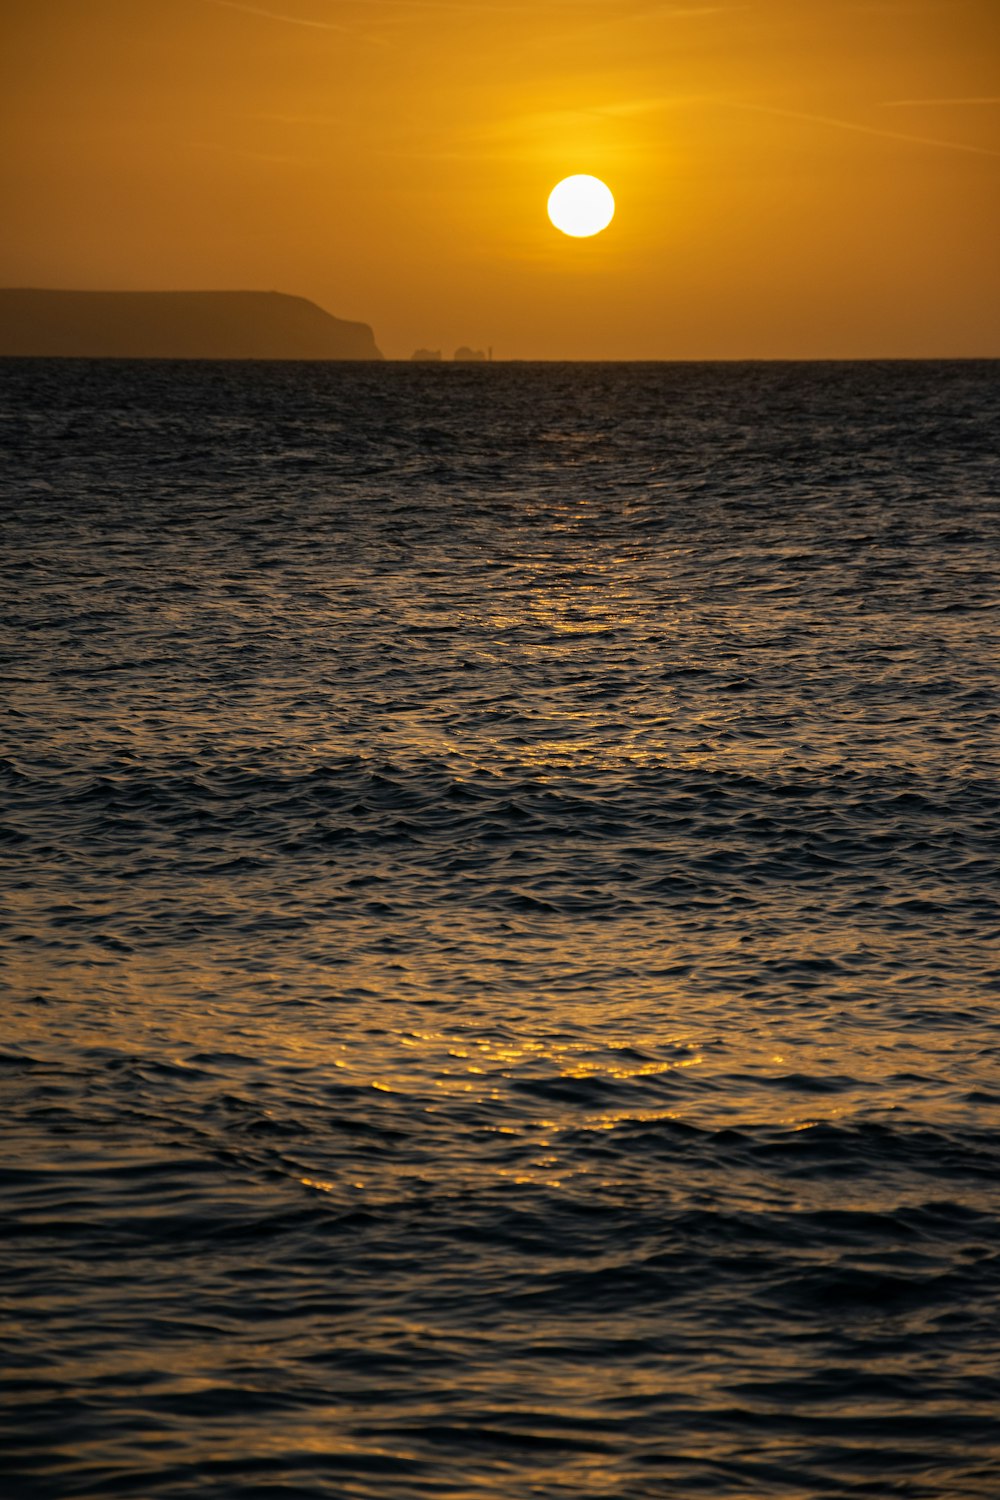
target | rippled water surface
x=500, y=931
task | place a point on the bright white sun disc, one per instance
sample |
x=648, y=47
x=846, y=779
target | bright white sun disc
x=581, y=205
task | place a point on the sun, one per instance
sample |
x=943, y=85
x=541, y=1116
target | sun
x=581, y=205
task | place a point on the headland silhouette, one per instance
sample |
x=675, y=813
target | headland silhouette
x=176, y=325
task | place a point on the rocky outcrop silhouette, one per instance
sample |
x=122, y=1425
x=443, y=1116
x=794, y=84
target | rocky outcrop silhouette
x=176, y=325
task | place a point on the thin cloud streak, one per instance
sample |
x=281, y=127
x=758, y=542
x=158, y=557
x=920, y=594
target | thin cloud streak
x=270, y=158
x=889, y=135
x=272, y=15
x=634, y=107
x=665, y=11
x=919, y=103
x=504, y=134
x=571, y=6
x=647, y=106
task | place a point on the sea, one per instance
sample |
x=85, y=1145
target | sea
x=500, y=931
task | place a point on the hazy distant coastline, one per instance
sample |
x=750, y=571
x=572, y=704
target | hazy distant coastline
x=176, y=325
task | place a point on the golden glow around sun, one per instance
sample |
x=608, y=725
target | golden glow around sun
x=581, y=206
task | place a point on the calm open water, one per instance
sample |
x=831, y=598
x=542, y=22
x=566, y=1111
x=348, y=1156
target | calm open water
x=500, y=931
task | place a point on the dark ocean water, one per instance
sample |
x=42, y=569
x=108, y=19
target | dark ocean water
x=500, y=931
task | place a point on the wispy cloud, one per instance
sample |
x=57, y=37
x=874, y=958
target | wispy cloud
x=388, y=9
x=518, y=135
x=685, y=12
x=269, y=157
x=281, y=119
x=919, y=103
x=631, y=107
x=613, y=7
x=312, y=25
x=854, y=125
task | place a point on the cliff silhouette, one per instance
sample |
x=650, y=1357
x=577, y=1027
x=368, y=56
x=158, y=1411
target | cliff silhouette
x=176, y=325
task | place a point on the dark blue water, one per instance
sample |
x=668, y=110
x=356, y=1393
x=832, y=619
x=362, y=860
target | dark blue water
x=500, y=931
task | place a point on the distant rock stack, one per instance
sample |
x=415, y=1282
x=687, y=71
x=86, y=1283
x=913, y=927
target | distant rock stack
x=176, y=325
x=464, y=355
x=426, y=356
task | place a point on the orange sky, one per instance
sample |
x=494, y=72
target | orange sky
x=794, y=178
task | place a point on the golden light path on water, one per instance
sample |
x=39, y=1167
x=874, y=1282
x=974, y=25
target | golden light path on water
x=503, y=1002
